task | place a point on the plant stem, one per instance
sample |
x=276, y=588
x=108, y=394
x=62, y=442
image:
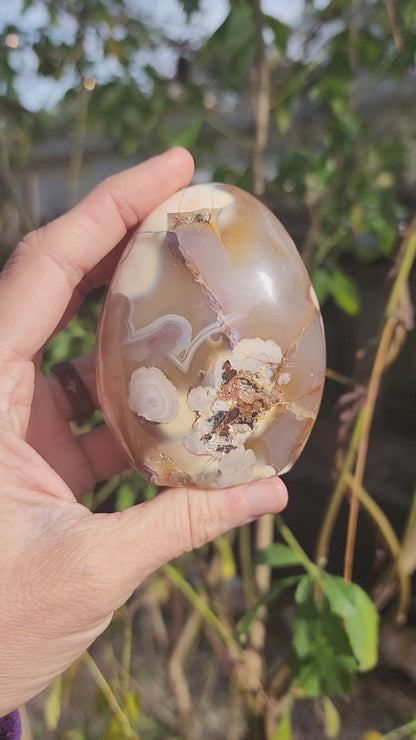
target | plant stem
x=339, y=377
x=392, y=542
x=261, y=101
x=262, y=579
x=246, y=561
x=368, y=412
x=338, y=495
x=198, y=603
x=392, y=321
x=77, y=154
x=112, y=702
x=291, y=540
x=405, y=732
x=409, y=253
x=411, y=521
x=126, y=654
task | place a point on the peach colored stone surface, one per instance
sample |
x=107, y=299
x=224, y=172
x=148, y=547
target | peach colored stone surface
x=211, y=350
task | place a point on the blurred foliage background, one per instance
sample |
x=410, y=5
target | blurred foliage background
x=311, y=106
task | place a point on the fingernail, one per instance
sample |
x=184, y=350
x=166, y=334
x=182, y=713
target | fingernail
x=267, y=496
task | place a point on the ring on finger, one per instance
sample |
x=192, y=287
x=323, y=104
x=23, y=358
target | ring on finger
x=74, y=389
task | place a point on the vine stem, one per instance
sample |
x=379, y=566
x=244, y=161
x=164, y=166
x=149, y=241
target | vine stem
x=127, y=646
x=405, y=732
x=201, y=607
x=246, y=561
x=380, y=519
x=112, y=702
x=358, y=446
x=77, y=154
x=292, y=542
x=338, y=495
x=262, y=580
x=392, y=321
x=260, y=101
x=368, y=413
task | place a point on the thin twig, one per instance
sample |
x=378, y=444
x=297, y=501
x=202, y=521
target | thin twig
x=337, y=496
x=368, y=412
x=328, y=524
x=392, y=320
x=151, y=702
x=392, y=542
x=339, y=377
x=408, y=553
x=126, y=650
x=199, y=604
x=77, y=154
x=293, y=543
x=261, y=101
x=246, y=564
x=262, y=577
x=112, y=702
x=405, y=732
x=395, y=30
x=177, y=674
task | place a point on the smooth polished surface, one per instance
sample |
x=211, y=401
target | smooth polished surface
x=211, y=350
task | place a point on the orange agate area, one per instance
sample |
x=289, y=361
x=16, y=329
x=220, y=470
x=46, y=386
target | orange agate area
x=211, y=350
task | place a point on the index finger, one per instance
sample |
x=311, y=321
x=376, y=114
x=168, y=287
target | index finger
x=38, y=281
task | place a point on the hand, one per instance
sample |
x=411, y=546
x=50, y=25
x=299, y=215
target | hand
x=65, y=570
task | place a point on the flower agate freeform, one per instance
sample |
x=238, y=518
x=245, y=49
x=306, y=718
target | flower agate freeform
x=211, y=351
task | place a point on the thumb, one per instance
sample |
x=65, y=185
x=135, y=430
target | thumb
x=127, y=546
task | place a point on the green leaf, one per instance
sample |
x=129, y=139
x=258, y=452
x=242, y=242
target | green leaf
x=345, y=292
x=228, y=566
x=280, y=30
x=243, y=625
x=322, y=661
x=284, y=728
x=231, y=48
x=322, y=282
x=132, y=705
x=283, y=118
x=360, y=617
x=52, y=707
x=74, y=735
x=126, y=497
x=278, y=555
x=332, y=720
x=187, y=136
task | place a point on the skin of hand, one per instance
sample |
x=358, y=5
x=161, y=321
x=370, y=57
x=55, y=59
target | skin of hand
x=64, y=570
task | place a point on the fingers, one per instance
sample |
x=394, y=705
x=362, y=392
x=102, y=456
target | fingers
x=124, y=548
x=39, y=280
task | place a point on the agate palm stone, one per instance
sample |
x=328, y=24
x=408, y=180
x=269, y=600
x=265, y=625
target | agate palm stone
x=211, y=351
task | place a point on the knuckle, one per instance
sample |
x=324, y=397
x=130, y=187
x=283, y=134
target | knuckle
x=116, y=204
x=202, y=519
x=24, y=248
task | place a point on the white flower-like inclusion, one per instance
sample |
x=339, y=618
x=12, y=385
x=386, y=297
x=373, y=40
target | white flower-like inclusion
x=236, y=467
x=230, y=412
x=152, y=395
x=259, y=350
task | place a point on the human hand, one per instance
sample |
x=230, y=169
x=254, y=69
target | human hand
x=65, y=570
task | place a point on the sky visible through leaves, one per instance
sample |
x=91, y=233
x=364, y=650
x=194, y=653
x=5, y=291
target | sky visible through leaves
x=36, y=92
